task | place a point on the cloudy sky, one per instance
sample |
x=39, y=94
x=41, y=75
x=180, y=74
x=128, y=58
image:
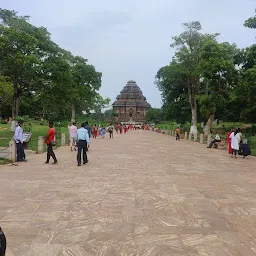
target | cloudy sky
x=129, y=39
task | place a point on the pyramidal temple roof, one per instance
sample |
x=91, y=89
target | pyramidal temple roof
x=131, y=95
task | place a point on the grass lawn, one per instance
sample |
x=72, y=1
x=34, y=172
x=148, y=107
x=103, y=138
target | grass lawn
x=37, y=130
x=4, y=161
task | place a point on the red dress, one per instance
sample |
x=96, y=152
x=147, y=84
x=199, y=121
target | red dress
x=95, y=131
x=229, y=143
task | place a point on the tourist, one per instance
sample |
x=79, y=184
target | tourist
x=234, y=143
x=111, y=131
x=239, y=136
x=50, y=141
x=88, y=128
x=103, y=132
x=177, y=133
x=72, y=136
x=229, y=142
x=83, y=142
x=121, y=128
x=244, y=149
x=18, y=137
x=116, y=128
x=216, y=139
x=125, y=129
x=95, y=131
x=2, y=243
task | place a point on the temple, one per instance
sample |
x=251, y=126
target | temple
x=131, y=106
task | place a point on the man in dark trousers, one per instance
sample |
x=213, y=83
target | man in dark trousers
x=83, y=142
x=88, y=128
x=2, y=243
x=18, y=137
x=50, y=141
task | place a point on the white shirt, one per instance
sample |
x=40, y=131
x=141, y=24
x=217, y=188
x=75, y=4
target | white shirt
x=234, y=141
x=18, y=134
x=217, y=137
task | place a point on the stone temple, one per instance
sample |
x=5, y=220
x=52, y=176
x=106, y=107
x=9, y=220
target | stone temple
x=131, y=106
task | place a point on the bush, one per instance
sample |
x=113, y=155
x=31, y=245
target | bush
x=4, y=122
x=23, y=118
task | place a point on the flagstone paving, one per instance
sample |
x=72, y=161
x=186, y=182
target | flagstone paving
x=140, y=194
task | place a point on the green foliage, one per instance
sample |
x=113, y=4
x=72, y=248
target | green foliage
x=154, y=115
x=44, y=80
x=251, y=22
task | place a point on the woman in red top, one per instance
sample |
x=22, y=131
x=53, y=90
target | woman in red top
x=125, y=129
x=229, y=142
x=95, y=131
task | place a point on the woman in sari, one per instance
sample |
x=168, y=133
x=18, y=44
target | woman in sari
x=229, y=142
x=95, y=131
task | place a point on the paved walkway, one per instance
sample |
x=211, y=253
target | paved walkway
x=141, y=194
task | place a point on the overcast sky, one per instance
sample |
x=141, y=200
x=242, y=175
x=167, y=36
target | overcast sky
x=129, y=39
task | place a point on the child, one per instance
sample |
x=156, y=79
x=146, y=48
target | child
x=103, y=132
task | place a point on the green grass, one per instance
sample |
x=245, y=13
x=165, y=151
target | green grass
x=37, y=130
x=4, y=161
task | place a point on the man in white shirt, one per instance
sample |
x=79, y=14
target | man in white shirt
x=72, y=136
x=216, y=139
x=19, y=142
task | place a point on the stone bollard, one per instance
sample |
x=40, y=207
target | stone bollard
x=63, y=139
x=169, y=132
x=209, y=139
x=12, y=151
x=201, y=138
x=40, y=148
x=186, y=136
x=195, y=137
x=190, y=136
x=173, y=133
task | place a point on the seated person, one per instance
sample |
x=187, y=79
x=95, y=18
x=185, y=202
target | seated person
x=244, y=149
x=216, y=139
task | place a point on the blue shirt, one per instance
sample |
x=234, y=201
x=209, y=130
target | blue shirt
x=82, y=134
x=18, y=134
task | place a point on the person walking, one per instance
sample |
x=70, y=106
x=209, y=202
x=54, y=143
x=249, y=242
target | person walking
x=50, y=141
x=177, y=133
x=83, y=143
x=234, y=143
x=2, y=243
x=88, y=128
x=229, y=142
x=18, y=137
x=111, y=131
x=103, y=132
x=72, y=136
x=95, y=131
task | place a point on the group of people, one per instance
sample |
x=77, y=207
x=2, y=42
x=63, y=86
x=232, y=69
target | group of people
x=236, y=143
x=101, y=131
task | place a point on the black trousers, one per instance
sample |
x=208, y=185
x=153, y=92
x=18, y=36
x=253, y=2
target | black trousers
x=177, y=136
x=50, y=153
x=82, y=148
x=20, y=152
x=111, y=135
x=212, y=142
x=2, y=244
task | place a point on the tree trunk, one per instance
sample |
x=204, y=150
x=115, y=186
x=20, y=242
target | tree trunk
x=193, y=106
x=16, y=100
x=207, y=129
x=73, y=117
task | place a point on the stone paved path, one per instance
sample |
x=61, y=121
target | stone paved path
x=141, y=194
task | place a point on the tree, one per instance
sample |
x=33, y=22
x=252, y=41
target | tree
x=251, y=22
x=6, y=92
x=217, y=76
x=154, y=115
x=188, y=44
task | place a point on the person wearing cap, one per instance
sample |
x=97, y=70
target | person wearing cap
x=83, y=142
x=50, y=141
x=18, y=137
x=2, y=243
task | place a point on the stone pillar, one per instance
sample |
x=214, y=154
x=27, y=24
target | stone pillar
x=169, y=132
x=40, y=148
x=186, y=136
x=63, y=139
x=201, y=138
x=173, y=133
x=12, y=151
x=209, y=139
x=190, y=136
x=195, y=137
